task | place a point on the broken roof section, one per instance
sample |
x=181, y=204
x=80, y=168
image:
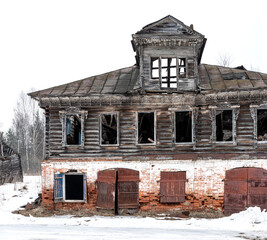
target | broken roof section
x=125, y=80
x=168, y=25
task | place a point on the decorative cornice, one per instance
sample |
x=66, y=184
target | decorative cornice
x=150, y=41
x=174, y=99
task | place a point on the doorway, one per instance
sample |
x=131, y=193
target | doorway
x=118, y=191
x=245, y=187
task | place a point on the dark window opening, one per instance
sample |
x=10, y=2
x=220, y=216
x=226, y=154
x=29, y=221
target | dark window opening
x=183, y=127
x=73, y=129
x=224, y=125
x=262, y=125
x=146, y=129
x=74, y=187
x=109, y=129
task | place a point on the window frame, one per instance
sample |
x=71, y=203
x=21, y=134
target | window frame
x=235, y=112
x=63, y=119
x=137, y=129
x=192, y=127
x=62, y=187
x=100, y=129
x=178, y=78
x=254, y=114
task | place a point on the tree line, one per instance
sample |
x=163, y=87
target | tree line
x=26, y=135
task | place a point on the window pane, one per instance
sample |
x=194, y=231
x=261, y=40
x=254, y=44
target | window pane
x=155, y=73
x=224, y=125
x=172, y=62
x=173, y=85
x=183, y=126
x=164, y=62
x=146, y=128
x=109, y=131
x=262, y=125
x=164, y=72
x=155, y=62
x=173, y=72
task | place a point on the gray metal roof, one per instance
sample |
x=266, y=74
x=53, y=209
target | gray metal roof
x=211, y=77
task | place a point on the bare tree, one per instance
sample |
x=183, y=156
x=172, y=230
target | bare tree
x=224, y=59
x=27, y=133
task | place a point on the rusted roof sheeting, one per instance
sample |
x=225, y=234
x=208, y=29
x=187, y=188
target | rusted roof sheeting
x=121, y=81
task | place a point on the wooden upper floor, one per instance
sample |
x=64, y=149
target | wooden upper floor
x=167, y=106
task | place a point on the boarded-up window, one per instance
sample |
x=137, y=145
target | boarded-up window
x=73, y=129
x=262, y=124
x=224, y=125
x=109, y=129
x=146, y=129
x=183, y=126
x=70, y=187
x=172, y=187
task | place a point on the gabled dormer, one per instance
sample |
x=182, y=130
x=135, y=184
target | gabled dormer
x=168, y=53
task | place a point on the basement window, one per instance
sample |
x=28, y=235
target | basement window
x=172, y=187
x=168, y=70
x=262, y=124
x=183, y=127
x=146, y=128
x=224, y=125
x=109, y=129
x=70, y=187
x=73, y=129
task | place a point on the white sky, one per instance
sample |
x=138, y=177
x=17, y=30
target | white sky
x=52, y=42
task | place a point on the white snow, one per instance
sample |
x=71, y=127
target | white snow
x=249, y=224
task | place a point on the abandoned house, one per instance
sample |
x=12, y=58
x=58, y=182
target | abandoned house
x=10, y=164
x=167, y=133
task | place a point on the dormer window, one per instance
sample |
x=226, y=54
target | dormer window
x=168, y=70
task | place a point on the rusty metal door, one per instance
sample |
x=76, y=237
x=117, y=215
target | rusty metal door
x=235, y=190
x=106, y=183
x=172, y=187
x=257, y=187
x=127, y=189
x=245, y=187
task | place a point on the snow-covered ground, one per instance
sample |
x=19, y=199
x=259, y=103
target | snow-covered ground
x=250, y=224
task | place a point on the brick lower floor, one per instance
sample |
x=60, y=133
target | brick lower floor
x=204, y=185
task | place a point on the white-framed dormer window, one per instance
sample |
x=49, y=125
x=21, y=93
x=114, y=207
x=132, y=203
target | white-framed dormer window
x=72, y=121
x=109, y=129
x=168, y=70
x=224, y=124
x=146, y=130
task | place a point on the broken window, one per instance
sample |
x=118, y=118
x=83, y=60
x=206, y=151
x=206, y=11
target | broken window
x=146, y=128
x=168, y=70
x=224, y=125
x=70, y=187
x=183, y=126
x=262, y=124
x=172, y=187
x=73, y=129
x=109, y=129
